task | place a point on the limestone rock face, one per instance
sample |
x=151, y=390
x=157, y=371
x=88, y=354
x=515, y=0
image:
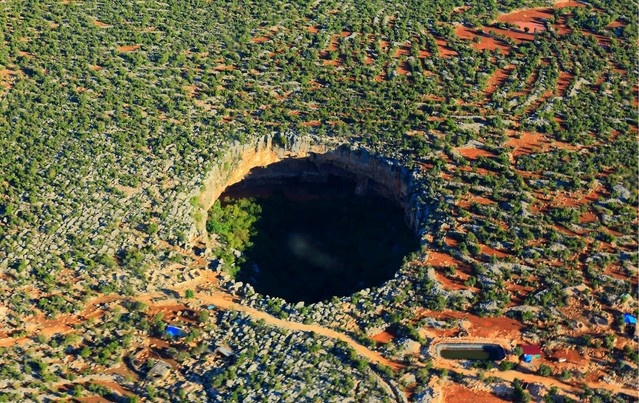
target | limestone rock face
x=310, y=160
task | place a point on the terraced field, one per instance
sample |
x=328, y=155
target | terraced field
x=513, y=133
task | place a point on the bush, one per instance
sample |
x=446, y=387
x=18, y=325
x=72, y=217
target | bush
x=544, y=370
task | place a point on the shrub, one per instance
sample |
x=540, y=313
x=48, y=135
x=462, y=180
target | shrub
x=544, y=370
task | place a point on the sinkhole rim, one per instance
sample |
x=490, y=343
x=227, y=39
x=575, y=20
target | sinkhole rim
x=407, y=188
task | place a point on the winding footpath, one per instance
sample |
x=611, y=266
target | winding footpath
x=226, y=301
x=223, y=302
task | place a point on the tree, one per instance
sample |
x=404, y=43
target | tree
x=520, y=395
x=544, y=370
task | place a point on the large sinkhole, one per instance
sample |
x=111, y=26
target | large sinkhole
x=308, y=229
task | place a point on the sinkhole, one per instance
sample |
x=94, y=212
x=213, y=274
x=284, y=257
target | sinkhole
x=307, y=229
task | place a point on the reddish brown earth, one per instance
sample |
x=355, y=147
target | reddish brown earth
x=498, y=78
x=487, y=42
x=260, y=39
x=487, y=250
x=479, y=327
x=526, y=142
x=453, y=283
x=469, y=200
x=100, y=24
x=454, y=392
x=383, y=337
x=529, y=20
x=533, y=18
x=563, y=82
x=401, y=51
x=128, y=48
x=474, y=153
x=6, y=77
x=444, y=50
x=402, y=69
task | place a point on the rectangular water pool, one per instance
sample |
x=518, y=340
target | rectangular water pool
x=468, y=351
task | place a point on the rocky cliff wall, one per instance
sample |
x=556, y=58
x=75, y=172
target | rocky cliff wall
x=310, y=161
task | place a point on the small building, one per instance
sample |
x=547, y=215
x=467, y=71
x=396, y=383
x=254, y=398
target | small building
x=530, y=352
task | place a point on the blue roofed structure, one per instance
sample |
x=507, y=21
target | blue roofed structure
x=629, y=319
x=175, y=331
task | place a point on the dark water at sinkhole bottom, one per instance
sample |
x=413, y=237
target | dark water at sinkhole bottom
x=313, y=241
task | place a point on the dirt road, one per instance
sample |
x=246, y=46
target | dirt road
x=225, y=301
x=222, y=301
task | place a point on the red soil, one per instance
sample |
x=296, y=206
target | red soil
x=455, y=392
x=402, y=68
x=444, y=50
x=576, y=200
x=485, y=249
x=614, y=270
x=527, y=143
x=114, y=387
x=498, y=79
x=487, y=327
x=516, y=36
x=423, y=54
x=474, y=153
x=440, y=259
x=563, y=82
x=332, y=47
x=474, y=199
x=456, y=283
x=587, y=217
x=261, y=39
x=128, y=48
x=451, y=242
x=487, y=42
x=530, y=18
x=518, y=292
x=100, y=24
x=540, y=100
x=533, y=18
x=332, y=62
x=224, y=67
x=313, y=29
x=570, y=355
x=5, y=77
x=383, y=337
x=404, y=50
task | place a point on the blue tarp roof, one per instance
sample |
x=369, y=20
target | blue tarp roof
x=629, y=319
x=174, y=331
